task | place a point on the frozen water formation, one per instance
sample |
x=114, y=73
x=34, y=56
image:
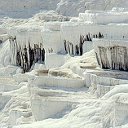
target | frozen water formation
x=59, y=71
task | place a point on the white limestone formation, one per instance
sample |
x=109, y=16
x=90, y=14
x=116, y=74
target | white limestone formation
x=51, y=36
x=104, y=17
x=112, y=54
x=101, y=82
x=26, y=47
x=66, y=87
x=60, y=82
x=67, y=37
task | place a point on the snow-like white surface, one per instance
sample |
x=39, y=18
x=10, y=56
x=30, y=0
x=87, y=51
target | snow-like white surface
x=104, y=17
x=63, y=91
x=5, y=56
x=52, y=41
x=59, y=60
x=59, y=82
x=78, y=108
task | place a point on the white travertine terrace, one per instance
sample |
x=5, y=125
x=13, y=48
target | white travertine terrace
x=56, y=88
x=112, y=54
x=104, y=17
x=74, y=37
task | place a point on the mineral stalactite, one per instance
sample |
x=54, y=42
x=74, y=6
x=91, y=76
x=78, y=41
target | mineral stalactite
x=78, y=49
x=26, y=55
x=114, y=57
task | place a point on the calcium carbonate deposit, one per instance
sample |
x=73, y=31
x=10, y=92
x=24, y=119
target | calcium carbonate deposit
x=64, y=64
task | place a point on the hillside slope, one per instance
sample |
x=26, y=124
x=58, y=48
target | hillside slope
x=27, y=8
